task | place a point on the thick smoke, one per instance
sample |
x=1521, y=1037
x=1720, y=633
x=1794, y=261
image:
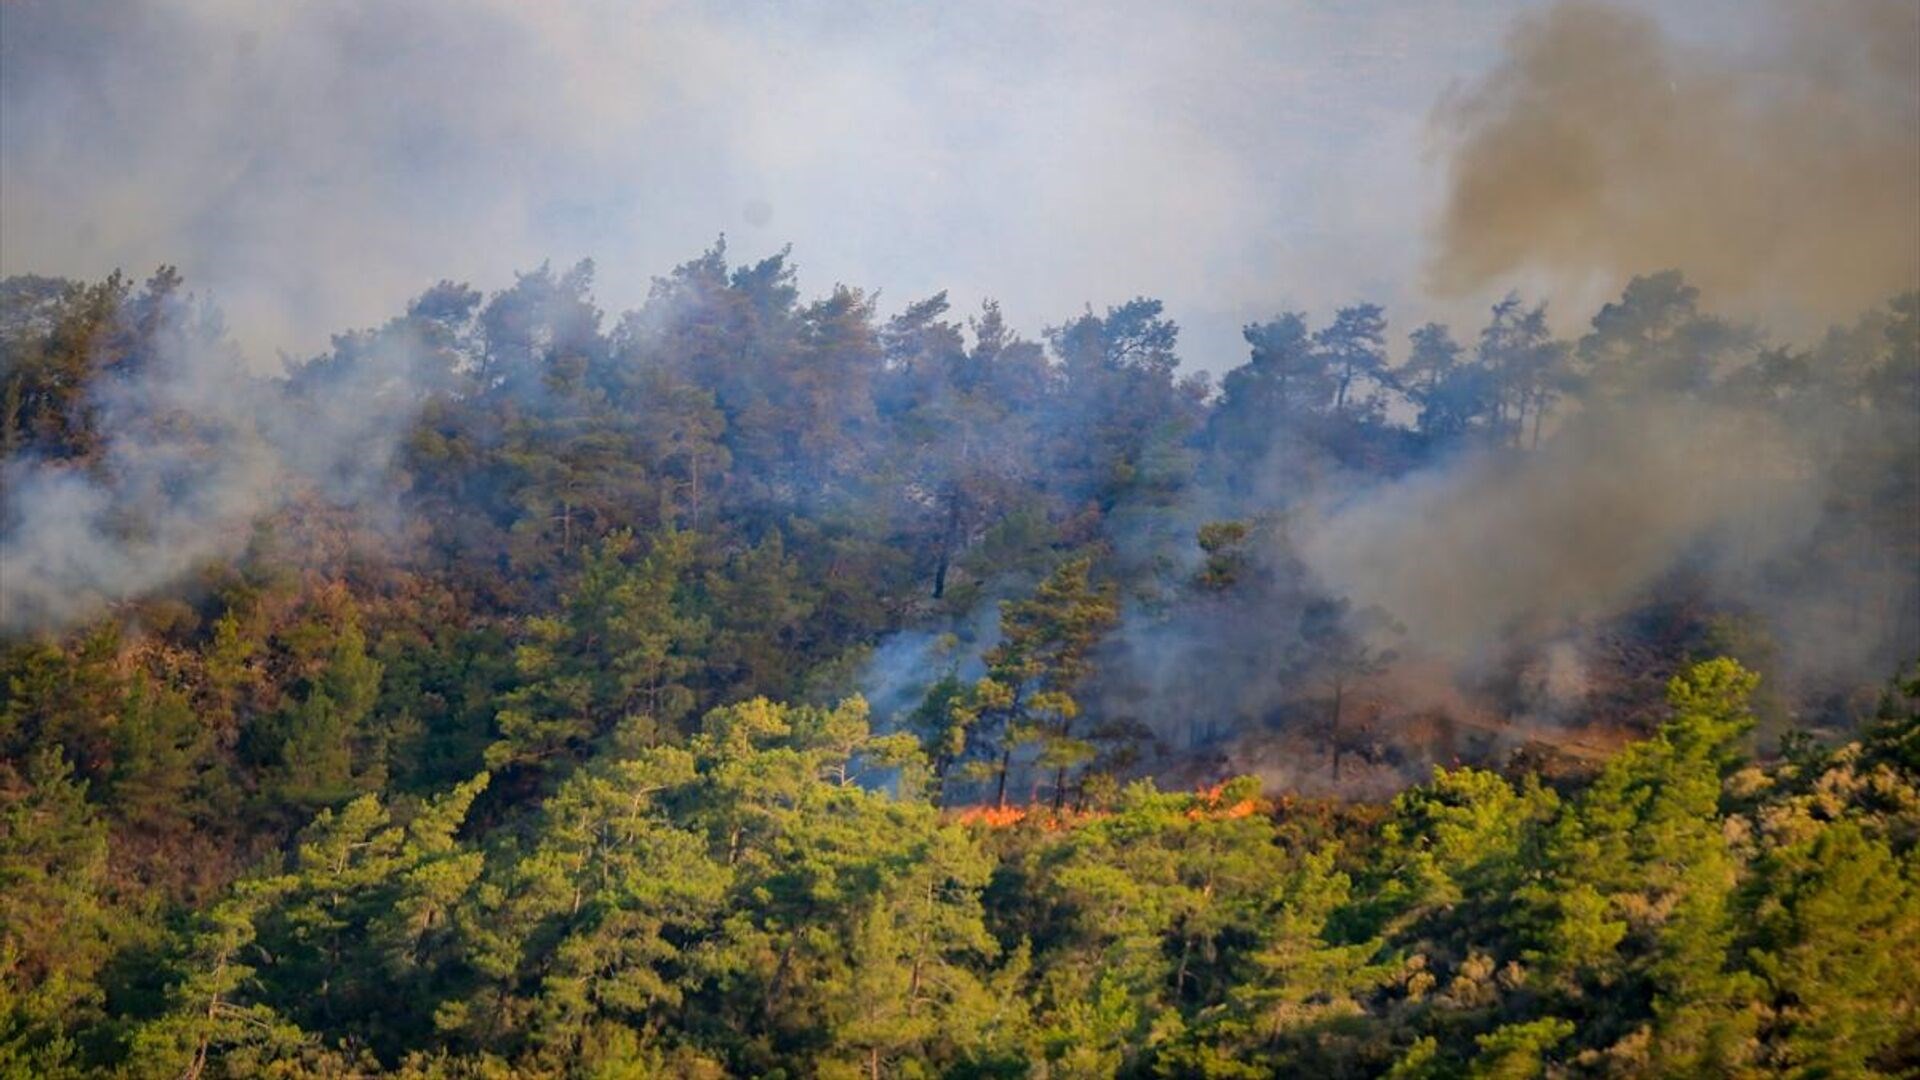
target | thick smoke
x=197, y=451
x=1484, y=593
x=1785, y=180
x=1501, y=546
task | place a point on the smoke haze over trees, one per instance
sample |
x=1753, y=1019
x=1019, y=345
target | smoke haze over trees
x=1476, y=664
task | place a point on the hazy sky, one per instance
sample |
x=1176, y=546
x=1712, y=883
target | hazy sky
x=314, y=164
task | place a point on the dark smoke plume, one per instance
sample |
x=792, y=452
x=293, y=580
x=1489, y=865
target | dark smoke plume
x=1785, y=181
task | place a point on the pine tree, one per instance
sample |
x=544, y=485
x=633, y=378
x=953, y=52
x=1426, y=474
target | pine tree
x=1027, y=694
x=620, y=655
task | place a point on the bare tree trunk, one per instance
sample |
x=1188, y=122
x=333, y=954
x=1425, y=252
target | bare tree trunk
x=695, y=470
x=1333, y=729
x=1180, y=976
x=1060, y=774
x=779, y=977
x=947, y=540
x=941, y=765
x=920, y=951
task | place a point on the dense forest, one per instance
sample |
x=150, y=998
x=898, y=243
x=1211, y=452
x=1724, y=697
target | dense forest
x=755, y=685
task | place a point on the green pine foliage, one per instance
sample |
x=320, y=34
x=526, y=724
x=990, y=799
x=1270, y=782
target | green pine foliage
x=745, y=903
x=558, y=764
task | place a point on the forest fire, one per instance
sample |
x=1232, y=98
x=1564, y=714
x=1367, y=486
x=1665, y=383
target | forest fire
x=1208, y=806
x=886, y=541
x=1010, y=816
x=1211, y=805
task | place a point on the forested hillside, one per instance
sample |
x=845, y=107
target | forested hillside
x=746, y=684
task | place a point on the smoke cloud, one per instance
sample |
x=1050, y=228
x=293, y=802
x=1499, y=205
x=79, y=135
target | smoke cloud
x=1499, y=546
x=197, y=451
x=313, y=164
x=1784, y=177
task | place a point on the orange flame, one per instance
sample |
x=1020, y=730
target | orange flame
x=1209, y=805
